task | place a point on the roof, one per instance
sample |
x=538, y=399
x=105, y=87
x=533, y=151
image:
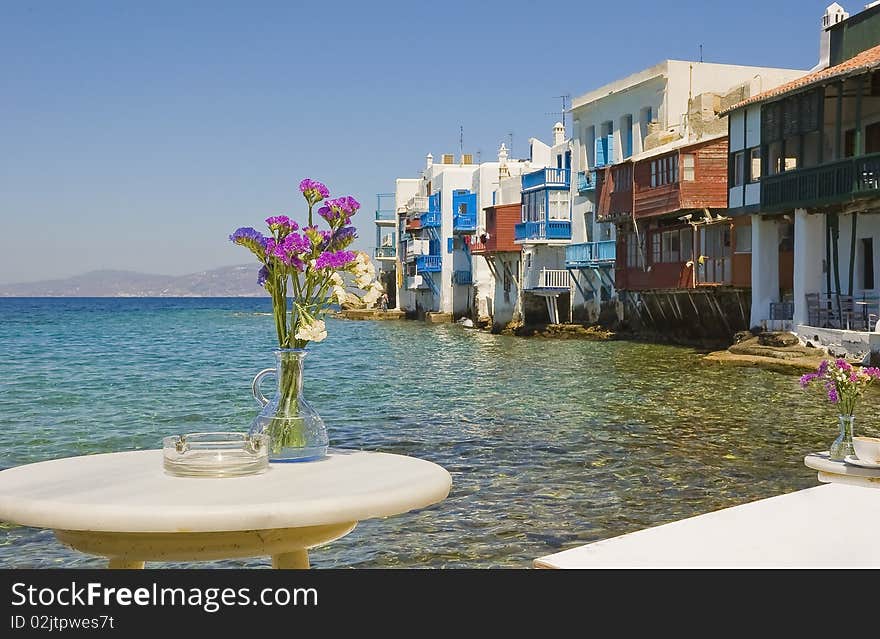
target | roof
x=864, y=61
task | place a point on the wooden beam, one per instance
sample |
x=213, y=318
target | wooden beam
x=859, y=144
x=838, y=123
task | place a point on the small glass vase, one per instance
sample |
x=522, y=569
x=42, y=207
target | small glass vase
x=843, y=445
x=296, y=431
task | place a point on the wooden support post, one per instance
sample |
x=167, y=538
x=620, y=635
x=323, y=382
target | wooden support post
x=852, y=253
x=820, y=118
x=838, y=123
x=858, y=146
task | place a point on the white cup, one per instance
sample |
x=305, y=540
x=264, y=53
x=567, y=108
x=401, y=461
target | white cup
x=867, y=449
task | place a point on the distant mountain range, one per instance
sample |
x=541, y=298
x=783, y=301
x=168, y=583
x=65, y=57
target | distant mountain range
x=228, y=281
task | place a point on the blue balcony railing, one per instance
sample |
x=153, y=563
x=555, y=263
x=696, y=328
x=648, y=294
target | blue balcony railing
x=466, y=222
x=586, y=181
x=428, y=264
x=462, y=277
x=546, y=177
x=590, y=254
x=552, y=230
x=431, y=219
x=386, y=215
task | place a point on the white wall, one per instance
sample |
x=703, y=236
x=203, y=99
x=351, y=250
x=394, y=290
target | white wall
x=504, y=303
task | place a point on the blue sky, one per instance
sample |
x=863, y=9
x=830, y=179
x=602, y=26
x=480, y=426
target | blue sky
x=138, y=135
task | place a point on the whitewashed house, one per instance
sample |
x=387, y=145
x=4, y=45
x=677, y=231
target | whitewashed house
x=805, y=174
x=438, y=215
x=626, y=123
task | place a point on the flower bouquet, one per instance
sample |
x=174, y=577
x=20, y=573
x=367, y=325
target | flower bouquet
x=842, y=384
x=302, y=270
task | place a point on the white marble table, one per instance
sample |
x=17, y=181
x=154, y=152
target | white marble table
x=124, y=506
x=840, y=472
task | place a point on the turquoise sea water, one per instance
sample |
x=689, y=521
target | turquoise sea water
x=550, y=443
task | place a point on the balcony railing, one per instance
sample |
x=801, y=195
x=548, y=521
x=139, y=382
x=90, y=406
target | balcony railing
x=385, y=215
x=417, y=204
x=822, y=185
x=549, y=278
x=417, y=247
x=552, y=230
x=586, y=181
x=431, y=219
x=590, y=254
x=464, y=222
x=384, y=252
x=462, y=277
x=545, y=177
x=428, y=264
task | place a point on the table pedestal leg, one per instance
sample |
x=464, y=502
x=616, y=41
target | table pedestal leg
x=294, y=559
x=118, y=563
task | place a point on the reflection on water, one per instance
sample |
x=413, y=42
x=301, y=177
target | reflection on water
x=551, y=444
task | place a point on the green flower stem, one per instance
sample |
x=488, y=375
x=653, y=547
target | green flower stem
x=286, y=429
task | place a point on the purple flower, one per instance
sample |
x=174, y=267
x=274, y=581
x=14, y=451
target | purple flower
x=843, y=365
x=336, y=260
x=313, y=191
x=832, y=395
x=339, y=209
x=262, y=276
x=252, y=239
x=873, y=371
x=343, y=237
x=806, y=379
x=281, y=222
x=823, y=368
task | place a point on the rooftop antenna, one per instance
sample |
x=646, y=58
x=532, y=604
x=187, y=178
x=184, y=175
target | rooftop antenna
x=510, y=144
x=701, y=53
x=565, y=99
x=479, y=156
x=460, y=140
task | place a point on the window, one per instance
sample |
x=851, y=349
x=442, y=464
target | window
x=664, y=171
x=743, y=238
x=687, y=167
x=755, y=164
x=739, y=168
x=774, y=162
x=559, y=209
x=672, y=246
x=633, y=252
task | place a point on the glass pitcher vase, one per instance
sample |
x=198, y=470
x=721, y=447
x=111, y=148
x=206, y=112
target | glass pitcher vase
x=296, y=431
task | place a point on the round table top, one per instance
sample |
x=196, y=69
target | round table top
x=130, y=492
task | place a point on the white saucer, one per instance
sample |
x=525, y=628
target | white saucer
x=855, y=461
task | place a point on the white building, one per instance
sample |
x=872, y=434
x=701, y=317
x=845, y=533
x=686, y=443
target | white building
x=805, y=170
x=624, y=119
x=438, y=213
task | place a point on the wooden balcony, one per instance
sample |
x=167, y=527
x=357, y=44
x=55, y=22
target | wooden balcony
x=837, y=182
x=614, y=195
x=501, y=221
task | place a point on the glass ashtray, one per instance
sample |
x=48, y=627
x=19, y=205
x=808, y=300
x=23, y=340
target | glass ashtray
x=215, y=454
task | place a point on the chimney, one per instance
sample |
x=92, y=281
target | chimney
x=429, y=161
x=834, y=13
x=558, y=133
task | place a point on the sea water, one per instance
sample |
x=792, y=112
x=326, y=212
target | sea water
x=550, y=443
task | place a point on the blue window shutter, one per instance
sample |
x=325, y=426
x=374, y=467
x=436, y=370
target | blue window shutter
x=600, y=151
x=568, y=160
x=609, y=149
x=449, y=245
x=629, y=142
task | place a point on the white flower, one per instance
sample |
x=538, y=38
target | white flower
x=363, y=280
x=376, y=285
x=336, y=280
x=314, y=332
x=339, y=293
